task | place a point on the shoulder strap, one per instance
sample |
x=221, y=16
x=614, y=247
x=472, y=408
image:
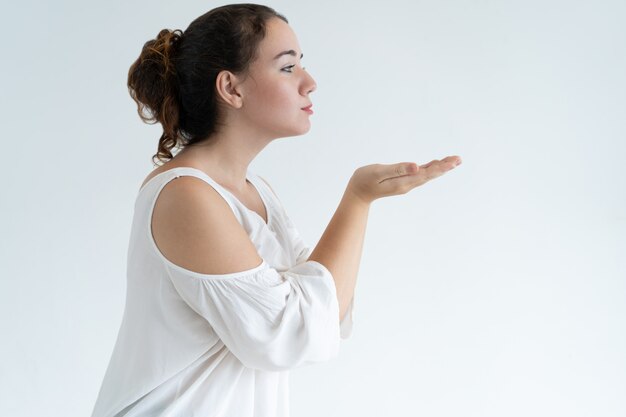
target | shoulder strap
x=271, y=191
x=159, y=181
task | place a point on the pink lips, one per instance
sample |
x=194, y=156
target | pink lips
x=308, y=109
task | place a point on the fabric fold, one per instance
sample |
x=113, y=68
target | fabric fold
x=269, y=320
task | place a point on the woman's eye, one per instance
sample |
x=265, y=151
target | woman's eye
x=289, y=68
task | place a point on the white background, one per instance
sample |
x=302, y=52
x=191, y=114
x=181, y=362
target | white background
x=498, y=289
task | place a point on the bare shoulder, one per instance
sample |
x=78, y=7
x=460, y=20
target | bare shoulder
x=195, y=228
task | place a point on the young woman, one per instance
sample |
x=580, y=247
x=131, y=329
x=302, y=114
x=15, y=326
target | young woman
x=223, y=296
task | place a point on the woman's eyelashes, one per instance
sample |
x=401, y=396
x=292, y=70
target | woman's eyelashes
x=289, y=68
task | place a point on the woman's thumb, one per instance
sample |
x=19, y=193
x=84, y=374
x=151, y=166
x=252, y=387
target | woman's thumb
x=404, y=168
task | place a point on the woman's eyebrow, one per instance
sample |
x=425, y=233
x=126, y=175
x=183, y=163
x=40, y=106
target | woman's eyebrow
x=289, y=52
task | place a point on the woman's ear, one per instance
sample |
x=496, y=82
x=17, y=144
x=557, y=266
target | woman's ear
x=227, y=88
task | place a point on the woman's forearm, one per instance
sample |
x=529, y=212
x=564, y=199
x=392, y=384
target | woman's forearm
x=341, y=246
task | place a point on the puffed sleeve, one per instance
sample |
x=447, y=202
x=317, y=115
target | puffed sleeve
x=302, y=253
x=269, y=320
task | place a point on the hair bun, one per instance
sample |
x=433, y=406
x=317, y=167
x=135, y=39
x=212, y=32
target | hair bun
x=164, y=46
x=153, y=84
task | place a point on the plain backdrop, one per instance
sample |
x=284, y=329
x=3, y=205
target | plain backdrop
x=496, y=290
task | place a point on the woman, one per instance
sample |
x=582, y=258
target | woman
x=223, y=297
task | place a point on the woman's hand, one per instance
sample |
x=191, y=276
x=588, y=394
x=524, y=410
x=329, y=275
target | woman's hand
x=371, y=182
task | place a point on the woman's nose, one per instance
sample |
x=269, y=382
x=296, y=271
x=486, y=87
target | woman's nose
x=308, y=85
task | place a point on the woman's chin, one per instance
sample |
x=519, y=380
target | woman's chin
x=297, y=132
x=305, y=128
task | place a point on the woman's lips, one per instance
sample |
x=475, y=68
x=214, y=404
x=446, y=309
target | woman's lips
x=308, y=109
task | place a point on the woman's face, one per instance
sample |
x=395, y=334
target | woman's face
x=276, y=89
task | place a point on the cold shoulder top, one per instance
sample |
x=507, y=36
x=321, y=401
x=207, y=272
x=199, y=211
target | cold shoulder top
x=193, y=344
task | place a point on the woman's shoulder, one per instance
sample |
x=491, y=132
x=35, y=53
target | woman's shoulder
x=195, y=228
x=169, y=165
x=159, y=170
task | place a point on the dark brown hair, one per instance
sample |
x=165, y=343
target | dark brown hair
x=173, y=80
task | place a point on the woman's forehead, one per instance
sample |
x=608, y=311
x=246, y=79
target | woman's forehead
x=279, y=41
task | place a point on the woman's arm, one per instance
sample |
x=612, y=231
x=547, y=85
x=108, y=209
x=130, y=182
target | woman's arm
x=341, y=244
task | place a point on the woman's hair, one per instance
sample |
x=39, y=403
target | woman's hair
x=173, y=80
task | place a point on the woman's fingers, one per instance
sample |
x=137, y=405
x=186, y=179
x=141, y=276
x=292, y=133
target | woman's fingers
x=455, y=160
x=435, y=169
x=429, y=164
x=424, y=173
x=374, y=181
x=389, y=172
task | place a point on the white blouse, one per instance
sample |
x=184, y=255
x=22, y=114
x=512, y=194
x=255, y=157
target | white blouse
x=194, y=344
